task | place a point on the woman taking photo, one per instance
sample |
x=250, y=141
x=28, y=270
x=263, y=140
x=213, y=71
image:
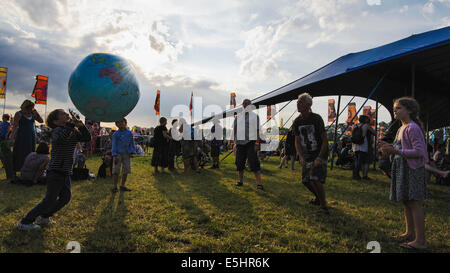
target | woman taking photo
x=23, y=135
x=408, y=181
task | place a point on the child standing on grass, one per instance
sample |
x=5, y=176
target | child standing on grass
x=65, y=135
x=408, y=178
x=122, y=151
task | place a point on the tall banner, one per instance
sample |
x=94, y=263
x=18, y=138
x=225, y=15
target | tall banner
x=331, y=110
x=40, y=89
x=233, y=100
x=157, y=103
x=190, y=104
x=3, y=72
x=281, y=123
x=269, y=111
x=381, y=132
x=351, y=114
x=373, y=116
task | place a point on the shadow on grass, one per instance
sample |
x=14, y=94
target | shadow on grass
x=341, y=226
x=111, y=233
x=169, y=186
x=24, y=241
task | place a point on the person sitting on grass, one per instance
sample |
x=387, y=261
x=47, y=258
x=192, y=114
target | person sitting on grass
x=122, y=151
x=34, y=166
x=64, y=138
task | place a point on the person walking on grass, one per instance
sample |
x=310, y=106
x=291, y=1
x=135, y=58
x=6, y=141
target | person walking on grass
x=122, y=151
x=362, y=150
x=66, y=132
x=246, y=132
x=311, y=144
x=408, y=177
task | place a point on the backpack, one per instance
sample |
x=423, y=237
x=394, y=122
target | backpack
x=357, y=135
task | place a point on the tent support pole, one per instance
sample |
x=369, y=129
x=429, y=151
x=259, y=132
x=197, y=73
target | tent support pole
x=376, y=136
x=335, y=130
x=413, y=80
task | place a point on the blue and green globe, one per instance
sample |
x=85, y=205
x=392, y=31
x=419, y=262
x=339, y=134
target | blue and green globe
x=103, y=87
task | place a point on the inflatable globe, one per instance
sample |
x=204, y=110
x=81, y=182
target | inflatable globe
x=103, y=87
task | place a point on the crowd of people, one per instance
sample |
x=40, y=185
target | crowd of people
x=403, y=155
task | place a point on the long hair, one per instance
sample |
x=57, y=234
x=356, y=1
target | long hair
x=413, y=106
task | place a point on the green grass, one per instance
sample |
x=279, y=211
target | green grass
x=204, y=212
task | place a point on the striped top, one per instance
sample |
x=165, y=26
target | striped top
x=64, y=139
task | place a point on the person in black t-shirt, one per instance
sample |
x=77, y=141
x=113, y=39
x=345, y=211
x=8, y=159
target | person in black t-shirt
x=161, y=151
x=311, y=144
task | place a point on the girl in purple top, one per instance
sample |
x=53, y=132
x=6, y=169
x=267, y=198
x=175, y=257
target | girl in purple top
x=408, y=178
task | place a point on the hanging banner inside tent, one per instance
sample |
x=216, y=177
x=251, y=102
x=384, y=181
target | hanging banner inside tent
x=331, y=110
x=233, y=100
x=3, y=74
x=40, y=89
x=157, y=103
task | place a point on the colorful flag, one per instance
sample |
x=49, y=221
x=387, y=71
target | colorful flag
x=156, y=107
x=40, y=89
x=3, y=72
x=269, y=111
x=373, y=116
x=351, y=114
x=331, y=110
x=281, y=123
x=233, y=100
x=190, y=104
x=366, y=110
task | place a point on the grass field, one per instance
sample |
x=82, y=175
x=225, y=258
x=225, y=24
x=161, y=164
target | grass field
x=204, y=212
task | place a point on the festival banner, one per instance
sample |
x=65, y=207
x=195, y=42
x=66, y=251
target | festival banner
x=233, y=100
x=281, y=123
x=40, y=89
x=373, y=116
x=190, y=104
x=3, y=74
x=351, y=114
x=157, y=102
x=269, y=111
x=331, y=110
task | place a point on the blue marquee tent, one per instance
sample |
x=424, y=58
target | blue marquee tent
x=416, y=66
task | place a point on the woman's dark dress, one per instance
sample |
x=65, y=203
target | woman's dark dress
x=161, y=151
x=24, y=142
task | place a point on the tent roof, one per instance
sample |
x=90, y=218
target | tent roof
x=356, y=74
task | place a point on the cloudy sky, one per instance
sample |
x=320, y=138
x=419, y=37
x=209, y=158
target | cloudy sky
x=212, y=48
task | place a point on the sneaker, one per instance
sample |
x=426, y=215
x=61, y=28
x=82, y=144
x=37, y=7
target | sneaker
x=123, y=188
x=315, y=202
x=44, y=221
x=357, y=177
x=366, y=178
x=260, y=187
x=27, y=227
x=239, y=184
x=114, y=190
